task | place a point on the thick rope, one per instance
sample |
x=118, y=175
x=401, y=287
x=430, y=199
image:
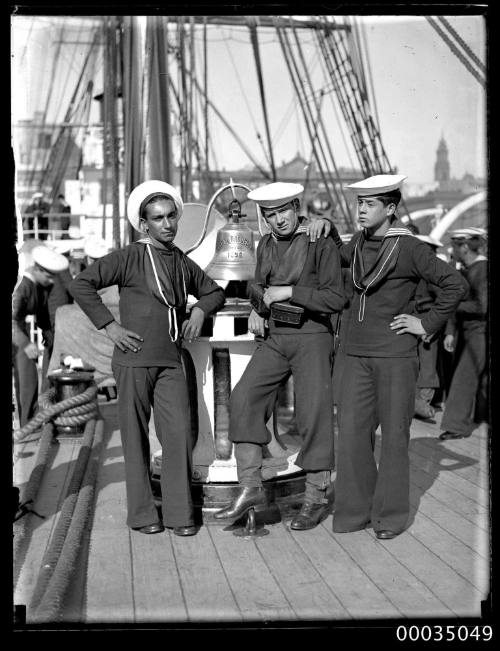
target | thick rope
x=52, y=604
x=29, y=494
x=55, y=546
x=47, y=413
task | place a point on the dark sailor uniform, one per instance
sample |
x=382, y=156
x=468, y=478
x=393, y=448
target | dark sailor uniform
x=380, y=371
x=469, y=324
x=305, y=350
x=29, y=298
x=152, y=377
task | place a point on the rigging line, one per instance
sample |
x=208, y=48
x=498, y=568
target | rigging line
x=233, y=133
x=284, y=44
x=343, y=101
x=340, y=197
x=455, y=50
x=337, y=117
x=464, y=45
x=252, y=26
x=250, y=112
x=61, y=96
x=205, y=89
x=27, y=40
x=370, y=73
x=41, y=155
x=363, y=108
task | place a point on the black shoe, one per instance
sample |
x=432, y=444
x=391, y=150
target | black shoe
x=386, y=534
x=249, y=497
x=451, y=435
x=190, y=530
x=309, y=516
x=157, y=527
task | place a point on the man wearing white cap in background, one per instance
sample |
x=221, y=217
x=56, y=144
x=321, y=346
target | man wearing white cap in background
x=381, y=365
x=30, y=297
x=154, y=278
x=467, y=331
x=298, y=286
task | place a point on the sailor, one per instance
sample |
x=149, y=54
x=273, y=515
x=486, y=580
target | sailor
x=466, y=333
x=428, y=346
x=297, y=287
x=30, y=297
x=154, y=278
x=381, y=365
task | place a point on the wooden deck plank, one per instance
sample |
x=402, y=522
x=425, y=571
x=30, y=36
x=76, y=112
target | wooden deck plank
x=158, y=593
x=400, y=585
x=205, y=586
x=426, y=484
x=446, y=476
x=256, y=591
x=109, y=586
x=358, y=594
x=472, y=565
x=48, y=503
x=308, y=594
x=452, y=593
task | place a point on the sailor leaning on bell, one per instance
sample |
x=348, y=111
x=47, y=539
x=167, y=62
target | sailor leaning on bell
x=154, y=279
x=298, y=286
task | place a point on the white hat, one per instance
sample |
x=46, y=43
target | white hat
x=275, y=195
x=37, y=195
x=378, y=184
x=95, y=247
x=60, y=246
x=467, y=233
x=346, y=237
x=145, y=191
x=49, y=260
x=430, y=240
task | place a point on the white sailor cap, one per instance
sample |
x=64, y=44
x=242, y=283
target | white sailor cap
x=49, y=260
x=37, y=195
x=95, y=247
x=275, y=195
x=60, y=246
x=378, y=184
x=143, y=193
x=430, y=240
x=468, y=233
x=346, y=237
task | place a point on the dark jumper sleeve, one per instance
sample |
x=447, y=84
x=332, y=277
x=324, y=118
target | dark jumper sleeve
x=452, y=286
x=476, y=303
x=211, y=296
x=104, y=272
x=19, y=314
x=329, y=296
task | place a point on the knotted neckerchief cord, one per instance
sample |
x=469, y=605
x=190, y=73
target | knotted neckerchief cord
x=172, y=314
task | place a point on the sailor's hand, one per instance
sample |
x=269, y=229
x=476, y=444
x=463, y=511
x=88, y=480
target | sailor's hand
x=318, y=226
x=256, y=323
x=449, y=343
x=192, y=327
x=407, y=323
x=277, y=293
x=125, y=339
x=32, y=351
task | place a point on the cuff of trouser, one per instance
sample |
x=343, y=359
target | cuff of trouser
x=319, y=479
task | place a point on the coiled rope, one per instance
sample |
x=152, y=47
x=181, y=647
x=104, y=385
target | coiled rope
x=75, y=410
x=51, y=607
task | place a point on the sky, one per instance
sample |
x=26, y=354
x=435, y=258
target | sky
x=422, y=90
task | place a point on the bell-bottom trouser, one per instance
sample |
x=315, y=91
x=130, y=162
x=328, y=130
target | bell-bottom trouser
x=309, y=358
x=375, y=391
x=458, y=414
x=164, y=389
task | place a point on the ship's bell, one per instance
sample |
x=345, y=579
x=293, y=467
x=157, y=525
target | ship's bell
x=234, y=257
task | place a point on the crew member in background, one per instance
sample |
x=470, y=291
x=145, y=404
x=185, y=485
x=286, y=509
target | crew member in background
x=428, y=346
x=36, y=213
x=381, y=365
x=62, y=208
x=30, y=297
x=154, y=278
x=298, y=285
x=467, y=331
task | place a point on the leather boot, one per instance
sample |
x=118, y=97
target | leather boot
x=248, y=497
x=310, y=515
